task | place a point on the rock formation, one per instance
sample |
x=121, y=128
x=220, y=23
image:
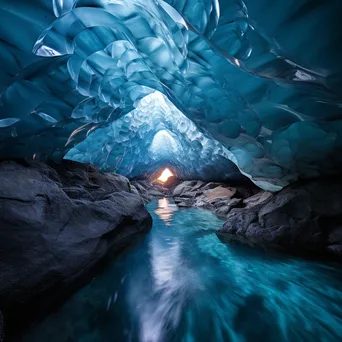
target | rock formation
x=58, y=225
x=304, y=217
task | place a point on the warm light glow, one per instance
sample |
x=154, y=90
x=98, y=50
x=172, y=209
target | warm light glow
x=165, y=175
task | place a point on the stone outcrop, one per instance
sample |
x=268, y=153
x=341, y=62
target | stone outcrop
x=218, y=197
x=2, y=330
x=304, y=217
x=58, y=225
x=149, y=191
x=171, y=182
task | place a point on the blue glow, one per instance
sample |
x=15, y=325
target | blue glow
x=248, y=74
x=183, y=284
x=153, y=135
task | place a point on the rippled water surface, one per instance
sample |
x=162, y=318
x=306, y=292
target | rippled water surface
x=181, y=283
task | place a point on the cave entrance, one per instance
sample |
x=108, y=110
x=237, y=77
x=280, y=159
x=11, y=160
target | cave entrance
x=165, y=175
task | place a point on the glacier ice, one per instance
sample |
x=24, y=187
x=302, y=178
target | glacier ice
x=154, y=135
x=226, y=85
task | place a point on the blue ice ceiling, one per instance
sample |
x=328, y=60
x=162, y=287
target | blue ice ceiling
x=154, y=135
x=209, y=87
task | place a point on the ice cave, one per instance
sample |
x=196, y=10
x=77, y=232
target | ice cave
x=170, y=170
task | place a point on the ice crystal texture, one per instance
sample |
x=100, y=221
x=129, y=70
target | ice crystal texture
x=200, y=85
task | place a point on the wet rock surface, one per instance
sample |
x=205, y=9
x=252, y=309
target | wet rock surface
x=2, y=330
x=58, y=225
x=305, y=217
x=150, y=191
x=218, y=197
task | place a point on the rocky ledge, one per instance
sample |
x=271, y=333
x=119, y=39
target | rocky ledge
x=218, y=197
x=149, y=191
x=58, y=225
x=303, y=218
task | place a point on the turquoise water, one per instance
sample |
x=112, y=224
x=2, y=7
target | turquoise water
x=181, y=283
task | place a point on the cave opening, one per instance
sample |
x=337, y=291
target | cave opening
x=165, y=175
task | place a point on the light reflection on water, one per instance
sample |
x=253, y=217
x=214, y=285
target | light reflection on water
x=181, y=283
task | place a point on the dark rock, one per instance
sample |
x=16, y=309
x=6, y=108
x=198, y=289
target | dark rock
x=335, y=249
x=72, y=174
x=149, y=191
x=210, y=196
x=257, y=199
x=76, y=192
x=155, y=193
x=235, y=203
x=199, y=184
x=171, y=182
x=305, y=217
x=219, y=202
x=226, y=206
x=191, y=194
x=219, y=193
x=58, y=224
x=2, y=328
x=211, y=185
x=185, y=204
x=177, y=192
x=200, y=203
x=134, y=190
x=246, y=191
x=186, y=187
x=138, y=187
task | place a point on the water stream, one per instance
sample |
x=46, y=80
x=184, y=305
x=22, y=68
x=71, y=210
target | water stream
x=181, y=283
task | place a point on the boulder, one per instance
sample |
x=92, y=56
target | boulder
x=177, y=192
x=155, y=193
x=247, y=190
x=58, y=225
x=303, y=217
x=186, y=187
x=220, y=192
x=211, y=185
x=185, y=204
x=149, y=191
x=139, y=187
x=257, y=199
x=171, y=182
x=226, y=206
x=2, y=330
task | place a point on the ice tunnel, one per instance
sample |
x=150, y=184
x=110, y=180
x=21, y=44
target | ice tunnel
x=215, y=89
x=153, y=135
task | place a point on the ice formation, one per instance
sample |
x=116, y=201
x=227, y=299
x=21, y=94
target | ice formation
x=81, y=78
x=154, y=135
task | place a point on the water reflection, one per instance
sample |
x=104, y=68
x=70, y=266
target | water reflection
x=165, y=210
x=183, y=284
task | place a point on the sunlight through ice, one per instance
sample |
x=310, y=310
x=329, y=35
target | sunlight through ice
x=165, y=175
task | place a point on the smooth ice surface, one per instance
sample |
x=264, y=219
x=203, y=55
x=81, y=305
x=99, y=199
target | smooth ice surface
x=181, y=283
x=262, y=78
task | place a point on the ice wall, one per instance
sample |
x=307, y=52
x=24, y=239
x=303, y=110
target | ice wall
x=154, y=135
x=259, y=79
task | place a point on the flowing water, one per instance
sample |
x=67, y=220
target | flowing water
x=181, y=283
